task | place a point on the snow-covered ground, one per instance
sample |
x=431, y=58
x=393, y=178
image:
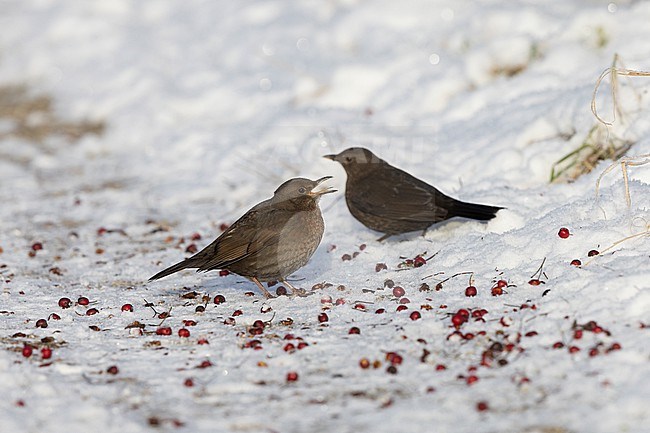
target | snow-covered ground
x=208, y=106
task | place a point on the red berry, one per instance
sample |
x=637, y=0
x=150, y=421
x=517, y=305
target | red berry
x=593, y=352
x=302, y=345
x=219, y=299
x=281, y=291
x=223, y=227
x=497, y=291
x=415, y=315
x=54, y=316
x=380, y=311
x=188, y=382
x=502, y=283
x=457, y=320
x=535, y=282
x=401, y=307
x=183, y=332
x=574, y=349
x=482, y=406
x=354, y=330
x=577, y=334
x=196, y=236
x=41, y=323
x=394, y=358
x=191, y=248
x=27, y=350
x=164, y=330
x=614, y=346
x=404, y=301
x=471, y=379
x=127, y=308
x=46, y=353
x=224, y=272
x=292, y=376
x=398, y=291
x=558, y=345
x=419, y=261
x=463, y=313
x=258, y=324
x=323, y=317
x=36, y=246
x=112, y=369
x=203, y=341
x=593, y=253
x=92, y=311
x=237, y=313
x=65, y=302
x=441, y=367
x=470, y=291
x=289, y=347
x=83, y=301
x=189, y=323
x=576, y=262
x=364, y=363
x=204, y=364
x=563, y=233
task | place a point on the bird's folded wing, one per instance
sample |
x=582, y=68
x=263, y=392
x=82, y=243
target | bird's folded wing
x=245, y=238
x=392, y=197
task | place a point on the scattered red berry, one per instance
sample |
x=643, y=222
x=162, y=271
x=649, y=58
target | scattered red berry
x=497, y=291
x=394, y=358
x=577, y=334
x=563, y=233
x=204, y=364
x=415, y=315
x=219, y=299
x=323, y=317
x=292, y=376
x=419, y=261
x=27, y=350
x=354, y=330
x=576, y=262
x=482, y=406
x=224, y=272
x=380, y=311
x=46, y=353
x=470, y=291
x=502, y=283
x=54, y=316
x=398, y=291
x=83, y=301
x=202, y=341
x=92, y=311
x=65, y=303
x=364, y=363
x=188, y=382
x=574, y=349
x=471, y=379
x=112, y=369
x=380, y=267
x=164, y=330
x=558, y=345
x=183, y=332
x=281, y=291
x=41, y=323
x=593, y=253
x=535, y=282
x=441, y=367
x=401, y=307
x=127, y=308
x=37, y=246
x=191, y=248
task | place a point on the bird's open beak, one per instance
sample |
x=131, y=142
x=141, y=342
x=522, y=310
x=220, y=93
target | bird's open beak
x=327, y=190
x=332, y=157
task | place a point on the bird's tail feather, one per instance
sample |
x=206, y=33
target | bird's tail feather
x=187, y=263
x=479, y=212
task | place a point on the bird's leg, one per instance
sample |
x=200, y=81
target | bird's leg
x=424, y=232
x=266, y=293
x=383, y=238
x=295, y=291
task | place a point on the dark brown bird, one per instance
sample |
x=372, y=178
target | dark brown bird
x=389, y=200
x=269, y=242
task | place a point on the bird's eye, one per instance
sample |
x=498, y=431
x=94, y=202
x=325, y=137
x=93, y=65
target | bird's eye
x=302, y=190
x=348, y=159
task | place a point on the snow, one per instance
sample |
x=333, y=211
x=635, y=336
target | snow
x=209, y=106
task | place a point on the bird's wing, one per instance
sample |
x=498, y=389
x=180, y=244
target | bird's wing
x=244, y=238
x=396, y=194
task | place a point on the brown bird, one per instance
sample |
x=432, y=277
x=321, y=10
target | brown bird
x=269, y=242
x=389, y=200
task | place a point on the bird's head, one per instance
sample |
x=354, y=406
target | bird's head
x=301, y=193
x=355, y=159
